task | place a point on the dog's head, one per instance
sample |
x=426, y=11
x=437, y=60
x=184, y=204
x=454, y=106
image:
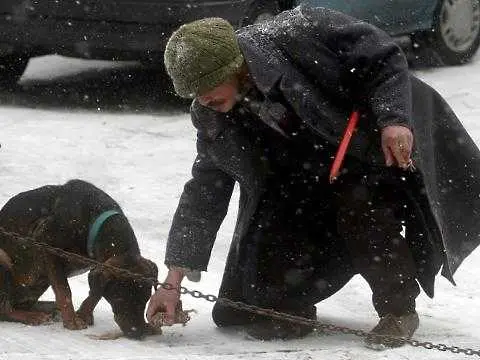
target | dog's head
x=127, y=296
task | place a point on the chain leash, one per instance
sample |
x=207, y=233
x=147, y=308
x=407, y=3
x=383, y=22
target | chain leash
x=318, y=326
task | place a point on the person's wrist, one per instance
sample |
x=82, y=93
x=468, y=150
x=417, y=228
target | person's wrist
x=175, y=277
x=384, y=122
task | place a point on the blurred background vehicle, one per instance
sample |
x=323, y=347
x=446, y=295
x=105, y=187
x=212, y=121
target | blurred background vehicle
x=107, y=29
x=448, y=30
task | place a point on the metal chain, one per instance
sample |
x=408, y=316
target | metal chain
x=318, y=326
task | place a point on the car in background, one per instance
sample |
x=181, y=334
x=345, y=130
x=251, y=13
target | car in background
x=450, y=29
x=107, y=29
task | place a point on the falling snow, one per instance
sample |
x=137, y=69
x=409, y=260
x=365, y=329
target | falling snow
x=143, y=161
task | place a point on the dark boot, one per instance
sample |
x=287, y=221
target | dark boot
x=273, y=329
x=225, y=316
x=390, y=325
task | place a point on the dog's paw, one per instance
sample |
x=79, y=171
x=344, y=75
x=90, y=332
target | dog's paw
x=152, y=330
x=76, y=323
x=87, y=318
x=38, y=318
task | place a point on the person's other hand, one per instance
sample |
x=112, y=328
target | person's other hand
x=397, y=144
x=166, y=300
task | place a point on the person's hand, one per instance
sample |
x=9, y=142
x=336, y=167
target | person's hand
x=397, y=144
x=166, y=300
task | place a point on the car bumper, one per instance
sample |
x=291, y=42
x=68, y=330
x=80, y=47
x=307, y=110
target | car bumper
x=87, y=39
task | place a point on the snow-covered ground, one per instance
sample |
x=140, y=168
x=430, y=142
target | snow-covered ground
x=116, y=126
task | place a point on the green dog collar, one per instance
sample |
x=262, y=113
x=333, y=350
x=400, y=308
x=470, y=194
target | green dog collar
x=96, y=227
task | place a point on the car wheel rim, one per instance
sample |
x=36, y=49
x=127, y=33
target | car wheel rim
x=459, y=24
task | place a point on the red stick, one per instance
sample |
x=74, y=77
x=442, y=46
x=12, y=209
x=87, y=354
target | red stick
x=342, y=149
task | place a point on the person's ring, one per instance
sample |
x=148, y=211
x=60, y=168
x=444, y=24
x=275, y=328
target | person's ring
x=411, y=165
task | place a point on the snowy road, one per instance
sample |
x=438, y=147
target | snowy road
x=116, y=127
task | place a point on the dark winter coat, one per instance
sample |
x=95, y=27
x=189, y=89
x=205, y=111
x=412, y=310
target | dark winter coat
x=325, y=64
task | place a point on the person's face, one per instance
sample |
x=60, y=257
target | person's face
x=222, y=98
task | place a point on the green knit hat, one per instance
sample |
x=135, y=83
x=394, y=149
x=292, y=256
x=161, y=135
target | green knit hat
x=202, y=55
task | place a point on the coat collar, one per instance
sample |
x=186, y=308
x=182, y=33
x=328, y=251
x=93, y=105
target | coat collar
x=208, y=122
x=262, y=58
x=273, y=74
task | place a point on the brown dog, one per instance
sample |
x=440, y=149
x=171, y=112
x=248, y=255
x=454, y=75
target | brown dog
x=80, y=218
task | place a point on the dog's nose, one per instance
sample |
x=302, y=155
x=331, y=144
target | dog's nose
x=134, y=332
x=131, y=329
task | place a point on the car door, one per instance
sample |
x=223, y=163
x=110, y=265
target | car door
x=394, y=16
x=139, y=11
x=14, y=7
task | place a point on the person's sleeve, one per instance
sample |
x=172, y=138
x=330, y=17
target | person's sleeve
x=366, y=60
x=202, y=207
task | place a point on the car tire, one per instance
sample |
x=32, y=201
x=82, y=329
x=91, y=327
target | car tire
x=455, y=36
x=12, y=67
x=261, y=11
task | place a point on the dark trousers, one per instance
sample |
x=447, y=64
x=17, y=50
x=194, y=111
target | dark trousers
x=370, y=212
x=309, y=238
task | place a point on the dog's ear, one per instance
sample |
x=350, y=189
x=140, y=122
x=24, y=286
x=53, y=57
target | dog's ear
x=150, y=269
x=97, y=280
x=99, y=277
x=6, y=282
x=5, y=260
